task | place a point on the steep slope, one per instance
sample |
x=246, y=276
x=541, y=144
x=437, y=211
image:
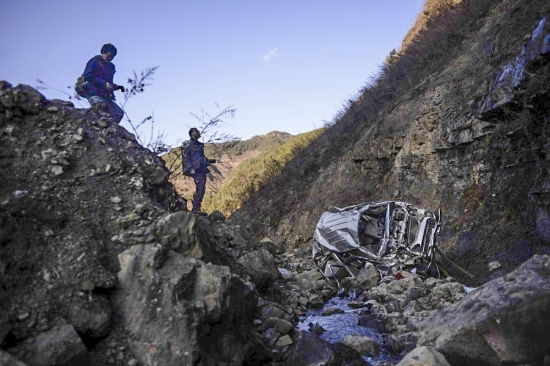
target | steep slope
x=445, y=125
x=99, y=264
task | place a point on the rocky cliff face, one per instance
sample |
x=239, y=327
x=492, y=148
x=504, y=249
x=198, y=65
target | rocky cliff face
x=98, y=263
x=471, y=138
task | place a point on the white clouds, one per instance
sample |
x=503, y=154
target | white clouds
x=268, y=56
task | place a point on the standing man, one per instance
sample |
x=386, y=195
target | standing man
x=99, y=75
x=195, y=165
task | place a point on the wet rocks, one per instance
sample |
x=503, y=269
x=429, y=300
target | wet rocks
x=308, y=350
x=365, y=345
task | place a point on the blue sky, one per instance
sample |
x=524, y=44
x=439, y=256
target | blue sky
x=284, y=65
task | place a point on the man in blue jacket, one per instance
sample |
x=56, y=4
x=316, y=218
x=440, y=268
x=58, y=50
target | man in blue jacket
x=99, y=75
x=195, y=165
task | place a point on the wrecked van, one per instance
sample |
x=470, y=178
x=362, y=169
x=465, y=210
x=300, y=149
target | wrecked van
x=391, y=235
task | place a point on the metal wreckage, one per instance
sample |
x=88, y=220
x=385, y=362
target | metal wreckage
x=391, y=235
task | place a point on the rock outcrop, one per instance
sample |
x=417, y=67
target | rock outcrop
x=506, y=321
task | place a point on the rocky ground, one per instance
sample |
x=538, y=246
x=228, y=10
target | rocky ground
x=100, y=265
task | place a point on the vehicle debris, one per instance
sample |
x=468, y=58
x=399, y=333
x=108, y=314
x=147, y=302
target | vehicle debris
x=392, y=235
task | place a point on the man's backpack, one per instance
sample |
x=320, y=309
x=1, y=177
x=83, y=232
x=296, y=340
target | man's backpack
x=81, y=87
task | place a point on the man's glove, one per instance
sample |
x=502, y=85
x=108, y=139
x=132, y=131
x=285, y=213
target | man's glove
x=120, y=87
x=211, y=161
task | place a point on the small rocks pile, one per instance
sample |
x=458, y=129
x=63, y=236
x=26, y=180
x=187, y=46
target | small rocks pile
x=427, y=320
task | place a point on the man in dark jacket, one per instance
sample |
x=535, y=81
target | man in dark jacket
x=99, y=75
x=195, y=165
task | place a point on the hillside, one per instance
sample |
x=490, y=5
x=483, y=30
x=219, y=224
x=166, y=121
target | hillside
x=458, y=121
x=251, y=174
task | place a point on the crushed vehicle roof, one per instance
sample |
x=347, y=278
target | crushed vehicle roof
x=392, y=235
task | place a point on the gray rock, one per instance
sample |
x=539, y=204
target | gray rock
x=505, y=321
x=285, y=273
x=375, y=321
x=91, y=318
x=158, y=174
x=395, y=287
x=414, y=293
x=279, y=325
x=365, y=345
x=28, y=99
x=283, y=341
x=272, y=310
x=309, y=350
x=8, y=360
x=368, y=276
x=447, y=291
x=426, y=356
x=402, y=342
x=60, y=346
x=310, y=280
x=178, y=231
x=316, y=301
x=261, y=267
x=177, y=308
x=393, y=306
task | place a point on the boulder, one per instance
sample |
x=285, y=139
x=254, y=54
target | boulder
x=365, y=345
x=60, y=346
x=178, y=231
x=260, y=265
x=397, y=343
x=8, y=360
x=91, y=319
x=191, y=235
x=506, y=321
x=178, y=309
x=157, y=174
x=368, y=276
x=281, y=326
x=425, y=356
x=28, y=99
x=272, y=310
x=310, y=280
x=309, y=349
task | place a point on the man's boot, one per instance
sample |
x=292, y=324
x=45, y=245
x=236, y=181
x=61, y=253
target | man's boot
x=197, y=210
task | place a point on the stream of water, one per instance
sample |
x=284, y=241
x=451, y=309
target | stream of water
x=338, y=326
